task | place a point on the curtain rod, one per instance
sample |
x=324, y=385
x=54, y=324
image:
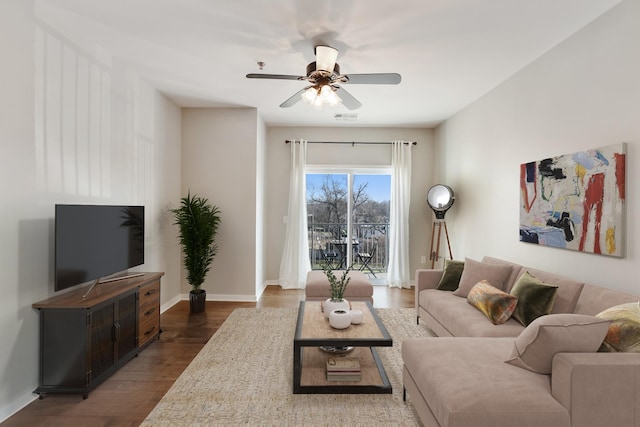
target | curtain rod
x=287, y=141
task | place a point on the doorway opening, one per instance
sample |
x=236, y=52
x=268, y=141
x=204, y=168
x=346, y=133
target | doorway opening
x=348, y=219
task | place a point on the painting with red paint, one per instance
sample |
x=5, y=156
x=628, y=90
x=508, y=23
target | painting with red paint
x=575, y=201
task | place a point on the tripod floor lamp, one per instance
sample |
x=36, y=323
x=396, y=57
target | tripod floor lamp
x=440, y=198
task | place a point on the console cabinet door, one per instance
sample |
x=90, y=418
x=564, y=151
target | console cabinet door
x=103, y=340
x=126, y=327
x=113, y=334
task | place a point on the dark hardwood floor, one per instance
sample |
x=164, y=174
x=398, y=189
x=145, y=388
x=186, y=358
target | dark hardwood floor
x=131, y=393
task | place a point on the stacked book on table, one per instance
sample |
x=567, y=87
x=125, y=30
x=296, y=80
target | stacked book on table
x=343, y=369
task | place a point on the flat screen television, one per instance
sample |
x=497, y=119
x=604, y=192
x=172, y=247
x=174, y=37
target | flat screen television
x=93, y=242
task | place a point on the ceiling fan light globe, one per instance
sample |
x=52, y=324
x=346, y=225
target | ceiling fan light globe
x=335, y=100
x=329, y=96
x=309, y=96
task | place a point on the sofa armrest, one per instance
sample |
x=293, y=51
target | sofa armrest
x=426, y=279
x=598, y=388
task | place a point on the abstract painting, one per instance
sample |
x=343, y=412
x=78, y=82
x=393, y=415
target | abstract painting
x=575, y=201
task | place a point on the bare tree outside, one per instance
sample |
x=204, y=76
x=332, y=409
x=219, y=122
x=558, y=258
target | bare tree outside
x=328, y=204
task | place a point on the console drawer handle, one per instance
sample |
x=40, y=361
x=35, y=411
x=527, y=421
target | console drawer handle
x=151, y=292
x=150, y=331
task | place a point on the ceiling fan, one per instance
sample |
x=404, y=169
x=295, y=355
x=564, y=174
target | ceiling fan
x=324, y=76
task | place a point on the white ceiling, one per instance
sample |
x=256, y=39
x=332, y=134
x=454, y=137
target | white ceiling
x=449, y=52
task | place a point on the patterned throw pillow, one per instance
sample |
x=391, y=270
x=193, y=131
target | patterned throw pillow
x=535, y=298
x=492, y=302
x=451, y=275
x=624, y=330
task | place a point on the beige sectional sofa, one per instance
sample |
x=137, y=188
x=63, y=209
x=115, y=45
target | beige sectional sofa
x=461, y=377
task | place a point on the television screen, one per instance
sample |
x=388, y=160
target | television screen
x=94, y=241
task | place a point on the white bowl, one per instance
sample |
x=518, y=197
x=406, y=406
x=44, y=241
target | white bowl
x=356, y=316
x=340, y=319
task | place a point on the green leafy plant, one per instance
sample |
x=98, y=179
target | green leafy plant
x=198, y=222
x=338, y=286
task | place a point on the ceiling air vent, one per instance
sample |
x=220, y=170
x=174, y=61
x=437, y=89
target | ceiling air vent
x=347, y=117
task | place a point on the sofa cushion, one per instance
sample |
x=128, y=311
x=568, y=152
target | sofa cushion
x=535, y=347
x=624, y=331
x=466, y=383
x=594, y=299
x=459, y=319
x=451, y=275
x=516, y=270
x=535, y=298
x=492, y=302
x=475, y=271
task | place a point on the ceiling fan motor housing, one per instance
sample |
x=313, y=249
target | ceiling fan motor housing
x=315, y=74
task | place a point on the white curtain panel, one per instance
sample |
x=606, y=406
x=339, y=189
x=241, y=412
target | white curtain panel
x=398, y=274
x=295, y=261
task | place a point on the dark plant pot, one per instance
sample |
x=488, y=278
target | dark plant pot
x=197, y=299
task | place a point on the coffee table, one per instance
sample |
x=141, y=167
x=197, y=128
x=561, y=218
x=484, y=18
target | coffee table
x=309, y=361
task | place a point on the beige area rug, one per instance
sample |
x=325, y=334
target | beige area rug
x=243, y=376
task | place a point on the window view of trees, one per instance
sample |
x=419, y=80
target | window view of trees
x=327, y=210
x=327, y=203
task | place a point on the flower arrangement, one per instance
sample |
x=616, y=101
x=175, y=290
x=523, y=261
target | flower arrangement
x=338, y=286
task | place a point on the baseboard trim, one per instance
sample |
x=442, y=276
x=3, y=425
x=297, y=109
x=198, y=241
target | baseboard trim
x=223, y=297
x=167, y=305
x=16, y=405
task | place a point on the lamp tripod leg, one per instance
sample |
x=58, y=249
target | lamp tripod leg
x=431, y=253
x=435, y=254
x=446, y=232
x=438, y=244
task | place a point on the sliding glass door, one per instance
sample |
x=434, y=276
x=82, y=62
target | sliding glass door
x=349, y=219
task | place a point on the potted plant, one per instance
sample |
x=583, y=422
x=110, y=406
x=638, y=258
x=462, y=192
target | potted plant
x=198, y=222
x=337, y=288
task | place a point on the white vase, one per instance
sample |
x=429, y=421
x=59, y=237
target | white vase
x=340, y=319
x=330, y=305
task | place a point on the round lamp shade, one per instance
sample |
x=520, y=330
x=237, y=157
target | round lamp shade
x=440, y=198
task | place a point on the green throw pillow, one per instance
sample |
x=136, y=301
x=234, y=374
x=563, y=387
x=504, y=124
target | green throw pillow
x=624, y=329
x=451, y=275
x=535, y=298
x=492, y=302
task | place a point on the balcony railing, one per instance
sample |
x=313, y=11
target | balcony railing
x=328, y=244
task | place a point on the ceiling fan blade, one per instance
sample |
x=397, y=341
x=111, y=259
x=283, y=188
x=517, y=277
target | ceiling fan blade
x=293, y=100
x=274, y=76
x=373, y=79
x=347, y=99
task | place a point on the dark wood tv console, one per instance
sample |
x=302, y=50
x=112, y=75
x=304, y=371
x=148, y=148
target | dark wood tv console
x=85, y=340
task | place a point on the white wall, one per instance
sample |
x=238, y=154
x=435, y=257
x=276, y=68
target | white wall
x=583, y=94
x=278, y=158
x=123, y=148
x=261, y=218
x=219, y=162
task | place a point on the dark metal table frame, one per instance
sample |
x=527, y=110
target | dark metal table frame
x=298, y=351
